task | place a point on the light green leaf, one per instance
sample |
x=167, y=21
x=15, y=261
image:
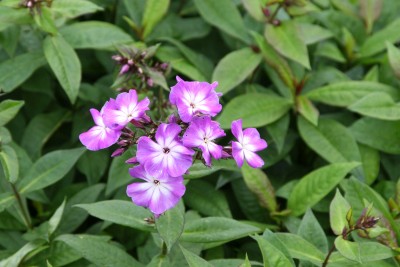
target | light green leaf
x=99, y=252
x=15, y=259
x=120, y=212
x=255, y=109
x=204, y=198
x=350, y=250
x=94, y=35
x=258, y=183
x=312, y=33
x=371, y=162
x=224, y=15
x=8, y=110
x=343, y=94
x=216, y=229
x=234, y=68
x=278, y=131
x=378, y=134
x=65, y=64
x=330, y=139
x=44, y=20
x=377, y=105
x=311, y=231
x=49, y=169
x=55, y=220
x=331, y=51
x=286, y=39
x=306, y=108
x=74, y=8
x=253, y=7
x=375, y=43
x=170, y=225
x=338, y=210
x=12, y=73
x=9, y=162
x=193, y=260
x=272, y=256
x=153, y=13
x=394, y=58
x=316, y=185
x=373, y=251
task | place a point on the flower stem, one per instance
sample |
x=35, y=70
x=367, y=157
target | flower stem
x=327, y=256
x=24, y=212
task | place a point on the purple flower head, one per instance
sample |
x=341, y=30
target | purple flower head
x=192, y=98
x=166, y=156
x=99, y=136
x=249, y=142
x=201, y=133
x=119, y=112
x=158, y=193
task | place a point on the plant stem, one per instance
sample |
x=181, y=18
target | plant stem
x=327, y=256
x=24, y=212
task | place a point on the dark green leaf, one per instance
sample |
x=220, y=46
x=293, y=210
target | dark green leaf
x=394, y=58
x=16, y=258
x=273, y=256
x=55, y=220
x=9, y=162
x=153, y=13
x=8, y=110
x=311, y=231
x=371, y=162
x=74, y=8
x=193, y=260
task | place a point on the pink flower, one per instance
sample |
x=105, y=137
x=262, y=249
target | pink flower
x=192, y=98
x=249, y=142
x=201, y=133
x=157, y=193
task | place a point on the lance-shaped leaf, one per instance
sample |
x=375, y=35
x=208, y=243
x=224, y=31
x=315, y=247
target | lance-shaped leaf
x=153, y=13
x=9, y=162
x=311, y=33
x=394, y=58
x=311, y=231
x=193, y=260
x=74, y=8
x=348, y=249
x=272, y=255
x=65, y=64
x=316, y=185
x=8, y=110
x=55, y=220
x=286, y=39
x=258, y=183
x=17, y=257
x=370, y=11
x=338, y=211
x=234, y=68
x=306, y=108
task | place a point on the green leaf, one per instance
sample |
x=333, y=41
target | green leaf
x=153, y=13
x=94, y=35
x=311, y=33
x=49, y=169
x=377, y=105
x=311, y=231
x=348, y=249
x=306, y=108
x=224, y=15
x=99, y=252
x=117, y=174
x=9, y=162
x=331, y=51
x=278, y=131
x=378, y=134
x=6, y=200
x=258, y=183
x=12, y=73
x=55, y=220
x=5, y=135
x=255, y=109
x=272, y=256
x=193, y=260
x=88, y=165
x=330, y=139
x=316, y=185
x=9, y=39
x=170, y=225
x=120, y=212
x=300, y=248
x=17, y=258
x=343, y=94
x=65, y=64
x=204, y=198
x=373, y=251
x=371, y=162
x=375, y=43
x=234, y=68
x=216, y=229
x=253, y=7
x=40, y=129
x=199, y=170
x=394, y=58
x=286, y=39
x=338, y=211
x=44, y=20
x=74, y=8
x=370, y=11
x=8, y=110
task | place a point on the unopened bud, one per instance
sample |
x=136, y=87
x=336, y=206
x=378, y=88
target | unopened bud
x=124, y=69
x=132, y=160
x=117, y=58
x=266, y=12
x=150, y=82
x=118, y=152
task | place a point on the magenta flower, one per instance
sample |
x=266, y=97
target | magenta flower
x=158, y=193
x=99, y=136
x=192, y=98
x=249, y=141
x=201, y=133
x=119, y=112
x=166, y=156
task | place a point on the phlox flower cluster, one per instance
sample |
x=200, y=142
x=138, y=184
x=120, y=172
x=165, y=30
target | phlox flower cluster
x=166, y=150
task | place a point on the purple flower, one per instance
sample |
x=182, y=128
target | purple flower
x=99, y=136
x=201, y=133
x=119, y=112
x=249, y=141
x=193, y=98
x=158, y=193
x=166, y=156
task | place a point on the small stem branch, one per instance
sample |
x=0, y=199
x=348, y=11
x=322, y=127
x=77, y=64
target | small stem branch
x=24, y=212
x=327, y=256
x=272, y=17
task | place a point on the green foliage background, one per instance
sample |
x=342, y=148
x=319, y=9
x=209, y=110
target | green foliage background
x=319, y=79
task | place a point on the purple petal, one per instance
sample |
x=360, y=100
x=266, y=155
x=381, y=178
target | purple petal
x=166, y=133
x=215, y=150
x=237, y=153
x=253, y=159
x=141, y=193
x=237, y=129
x=97, y=118
x=140, y=172
x=147, y=149
x=99, y=137
x=178, y=164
